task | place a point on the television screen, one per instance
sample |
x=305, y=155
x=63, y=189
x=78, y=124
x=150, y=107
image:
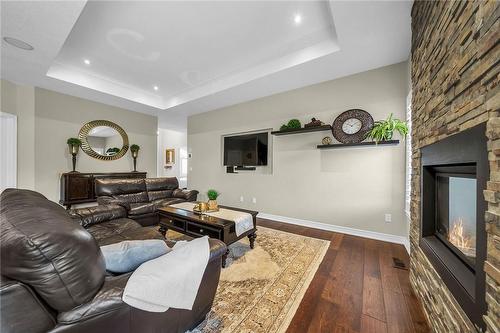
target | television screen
x=246, y=150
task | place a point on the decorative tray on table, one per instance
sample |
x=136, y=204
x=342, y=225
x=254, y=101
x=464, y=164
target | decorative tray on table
x=202, y=208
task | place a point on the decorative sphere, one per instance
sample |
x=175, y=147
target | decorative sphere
x=326, y=140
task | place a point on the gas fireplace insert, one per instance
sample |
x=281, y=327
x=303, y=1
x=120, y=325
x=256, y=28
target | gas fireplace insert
x=453, y=237
x=456, y=209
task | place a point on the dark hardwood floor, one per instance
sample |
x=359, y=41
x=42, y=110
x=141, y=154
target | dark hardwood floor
x=356, y=288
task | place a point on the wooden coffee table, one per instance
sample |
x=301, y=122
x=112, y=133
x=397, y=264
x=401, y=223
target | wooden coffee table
x=197, y=225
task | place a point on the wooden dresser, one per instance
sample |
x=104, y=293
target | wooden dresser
x=77, y=187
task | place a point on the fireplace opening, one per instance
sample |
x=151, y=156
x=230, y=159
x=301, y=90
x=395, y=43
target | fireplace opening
x=453, y=237
x=456, y=211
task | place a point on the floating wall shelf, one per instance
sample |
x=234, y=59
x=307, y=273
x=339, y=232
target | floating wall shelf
x=303, y=130
x=368, y=143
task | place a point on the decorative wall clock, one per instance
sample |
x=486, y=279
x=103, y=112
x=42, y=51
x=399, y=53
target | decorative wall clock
x=351, y=126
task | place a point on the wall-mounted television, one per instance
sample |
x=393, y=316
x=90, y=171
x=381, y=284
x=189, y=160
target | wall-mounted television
x=246, y=150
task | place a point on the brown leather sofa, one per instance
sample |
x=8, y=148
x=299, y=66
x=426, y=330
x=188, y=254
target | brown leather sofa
x=53, y=276
x=142, y=197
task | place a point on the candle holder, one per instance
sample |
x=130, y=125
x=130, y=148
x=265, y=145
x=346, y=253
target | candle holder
x=134, y=150
x=74, y=146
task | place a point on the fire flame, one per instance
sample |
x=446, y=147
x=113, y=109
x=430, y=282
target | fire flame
x=458, y=238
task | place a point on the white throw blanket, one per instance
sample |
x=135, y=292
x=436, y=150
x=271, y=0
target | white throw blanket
x=243, y=221
x=169, y=281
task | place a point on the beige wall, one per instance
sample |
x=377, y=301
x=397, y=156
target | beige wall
x=352, y=187
x=20, y=100
x=54, y=117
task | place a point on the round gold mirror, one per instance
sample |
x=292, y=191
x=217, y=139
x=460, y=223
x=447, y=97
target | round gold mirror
x=104, y=140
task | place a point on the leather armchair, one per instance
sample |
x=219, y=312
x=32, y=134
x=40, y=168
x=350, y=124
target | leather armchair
x=53, y=270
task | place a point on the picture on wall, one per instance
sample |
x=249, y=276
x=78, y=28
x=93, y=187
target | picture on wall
x=170, y=156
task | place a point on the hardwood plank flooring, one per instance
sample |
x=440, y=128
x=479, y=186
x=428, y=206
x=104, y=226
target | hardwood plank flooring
x=356, y=288
x=372, y=325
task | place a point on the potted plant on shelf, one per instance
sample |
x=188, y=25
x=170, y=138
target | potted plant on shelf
x=74, y=146
x=383, y=130
x=291, y=125
x=134, y=150
x=212, y=199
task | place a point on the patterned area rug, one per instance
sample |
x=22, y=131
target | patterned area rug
x=260, y=289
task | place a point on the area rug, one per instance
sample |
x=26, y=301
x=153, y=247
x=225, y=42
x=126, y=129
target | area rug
x=260, y=289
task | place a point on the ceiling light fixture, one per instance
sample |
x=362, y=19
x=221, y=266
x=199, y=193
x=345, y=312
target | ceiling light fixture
x=297, y=19
x=155, y=88
x=18, y=43
x=86, y=61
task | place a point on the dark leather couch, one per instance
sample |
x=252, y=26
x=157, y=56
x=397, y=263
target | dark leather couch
x=53, y=276
x=110, y=224
x=142, y=197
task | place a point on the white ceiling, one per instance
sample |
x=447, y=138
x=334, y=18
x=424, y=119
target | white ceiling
x=200, y=55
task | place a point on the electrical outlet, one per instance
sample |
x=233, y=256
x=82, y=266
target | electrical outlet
x=242, y=199
x=254, y=200
x=388, y=218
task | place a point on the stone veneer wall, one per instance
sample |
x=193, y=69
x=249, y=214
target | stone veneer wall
x=454, y=71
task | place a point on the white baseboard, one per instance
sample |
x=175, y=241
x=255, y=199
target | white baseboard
x=406, y=243
x=337, y=228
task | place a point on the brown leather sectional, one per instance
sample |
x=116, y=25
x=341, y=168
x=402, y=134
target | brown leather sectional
x=142, y=197
x=53, y=276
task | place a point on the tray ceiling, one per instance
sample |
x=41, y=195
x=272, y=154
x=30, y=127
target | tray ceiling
x=194, y=56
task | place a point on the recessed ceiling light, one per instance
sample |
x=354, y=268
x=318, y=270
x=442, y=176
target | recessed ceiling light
x=297, y=19
x=18, y=43
x=155, y=88
x=86, y=61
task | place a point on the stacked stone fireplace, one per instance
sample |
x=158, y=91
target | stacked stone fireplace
x=455, y=73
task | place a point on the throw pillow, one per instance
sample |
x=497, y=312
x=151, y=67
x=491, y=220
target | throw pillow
x=126, y=256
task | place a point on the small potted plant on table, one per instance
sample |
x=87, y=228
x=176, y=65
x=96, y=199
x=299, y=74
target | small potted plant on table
x=212, y=199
